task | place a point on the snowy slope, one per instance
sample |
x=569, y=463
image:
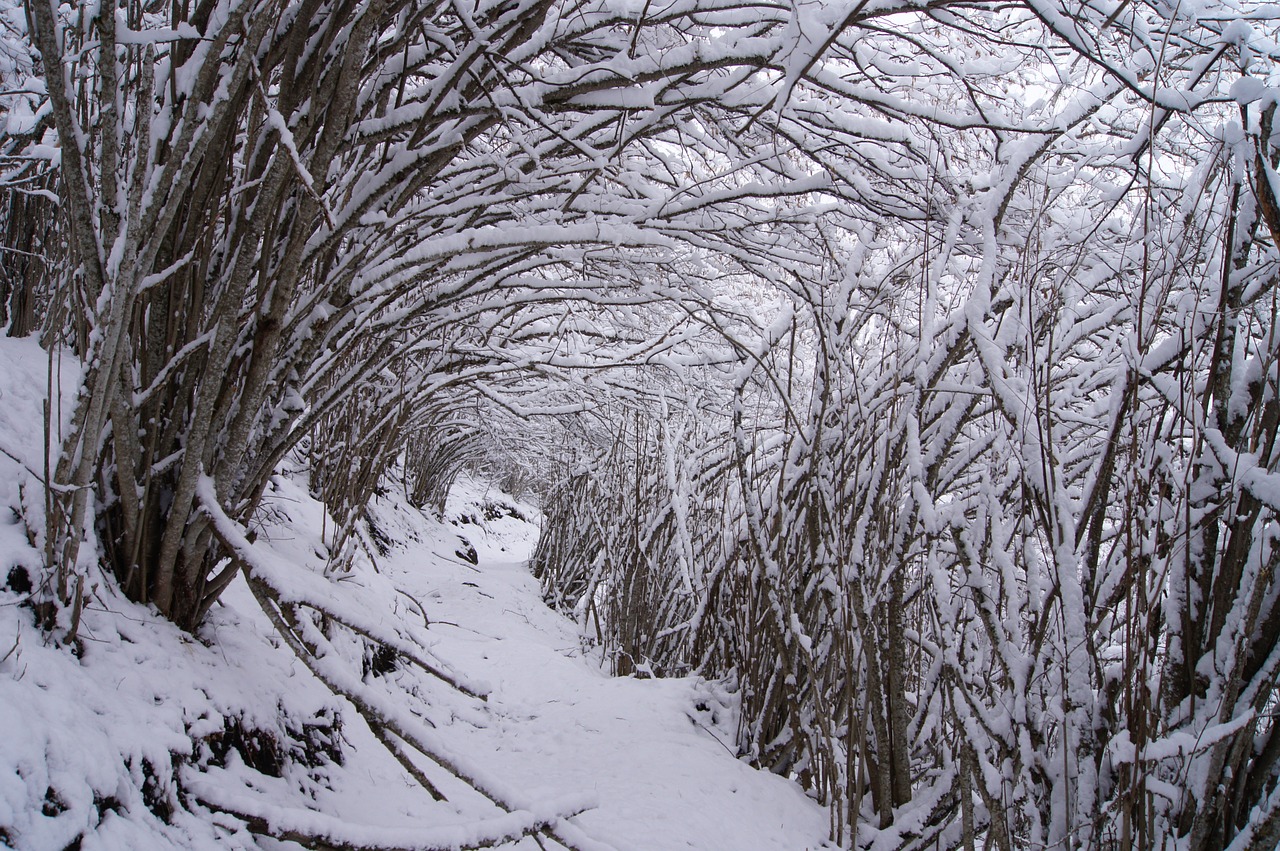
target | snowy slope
x=142, y=738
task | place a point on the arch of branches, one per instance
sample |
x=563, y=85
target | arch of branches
x=910, y=365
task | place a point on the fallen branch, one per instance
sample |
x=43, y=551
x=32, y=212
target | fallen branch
x=402, y=647
x=325, y=833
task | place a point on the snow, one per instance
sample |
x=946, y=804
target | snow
x=660, y=767
x=1246, y=90
x=106, y=748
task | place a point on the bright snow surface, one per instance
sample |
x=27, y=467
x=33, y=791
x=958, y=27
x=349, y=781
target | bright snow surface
x=80, y=739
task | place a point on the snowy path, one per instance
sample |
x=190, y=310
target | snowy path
x=646, y=749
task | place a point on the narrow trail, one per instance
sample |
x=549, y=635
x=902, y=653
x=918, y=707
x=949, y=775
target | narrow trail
x=652, y=752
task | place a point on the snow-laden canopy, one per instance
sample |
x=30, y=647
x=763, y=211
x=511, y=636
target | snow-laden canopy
x=909, y=365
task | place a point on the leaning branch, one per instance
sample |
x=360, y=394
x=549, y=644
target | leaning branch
x=385, y=719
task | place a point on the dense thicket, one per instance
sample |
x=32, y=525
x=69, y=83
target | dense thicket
x=991, y=550
x=913, y=365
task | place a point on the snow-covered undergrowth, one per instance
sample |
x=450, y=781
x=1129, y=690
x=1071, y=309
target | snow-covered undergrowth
x=146, y=737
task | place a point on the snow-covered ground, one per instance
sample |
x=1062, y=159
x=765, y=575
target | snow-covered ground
x=652, y=752
x=97, y=751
